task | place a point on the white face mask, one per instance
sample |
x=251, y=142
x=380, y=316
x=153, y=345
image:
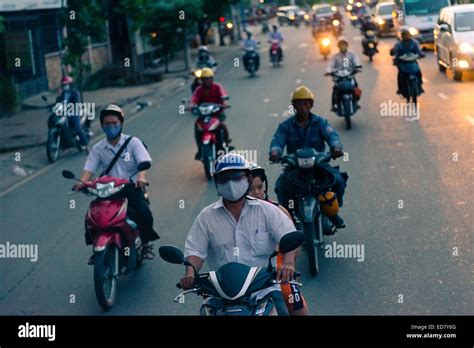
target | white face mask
x=233, y=190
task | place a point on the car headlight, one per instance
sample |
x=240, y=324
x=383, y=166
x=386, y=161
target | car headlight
x=466, y=47
x=334, y=8
x=381, y=21
x=198, y=73
x=359, y=4
x=351, y=1
x=335, y=22
x=349, y=7
x=306, y=16
x=413, y=31
x=306, y=162
x=463, y=64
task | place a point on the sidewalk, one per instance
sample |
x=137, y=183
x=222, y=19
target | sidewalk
x=25, y=132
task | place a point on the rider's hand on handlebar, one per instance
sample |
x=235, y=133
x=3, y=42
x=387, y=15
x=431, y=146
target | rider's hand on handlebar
x=336, y=152
x=77, y=186
x=274, y=156
x=141, y=183
x=187, y=282
x=285, y=273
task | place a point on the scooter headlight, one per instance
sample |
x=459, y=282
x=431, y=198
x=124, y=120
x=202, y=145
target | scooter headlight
x=106, y=190
x=206, y=110
x=413, y=31
x=335, y=22
x=381, y=21
x=349, y=7
x=326, y=42
x=306, y=162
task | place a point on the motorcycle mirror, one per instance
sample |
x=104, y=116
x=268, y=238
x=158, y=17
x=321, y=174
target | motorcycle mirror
x=226, y=97
x=143, y=166
x=171, y=254
x=291, y=241
x=195, y=111
x=215, y=64
x=68, y=174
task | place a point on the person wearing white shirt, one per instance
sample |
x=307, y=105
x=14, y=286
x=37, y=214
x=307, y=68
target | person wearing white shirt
x=101, y=155
x=238, y=228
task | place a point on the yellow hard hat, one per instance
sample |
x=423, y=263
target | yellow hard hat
x=302, y=92
x=207, y=72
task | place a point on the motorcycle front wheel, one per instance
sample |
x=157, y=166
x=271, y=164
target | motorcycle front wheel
x=206, y=160
x=105, y=283
x=347, y=113
x=311, y=247
x=53, y=146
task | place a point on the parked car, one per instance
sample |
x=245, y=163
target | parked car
x=383, y=18
x=454, y=39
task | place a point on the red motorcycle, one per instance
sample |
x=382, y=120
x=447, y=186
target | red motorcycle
x=211, y=135
x=115, y=237
x=275, y=53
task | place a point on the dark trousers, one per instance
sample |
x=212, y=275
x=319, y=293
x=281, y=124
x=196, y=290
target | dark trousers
x=280, y=304
x=139, y=211
x=401, y=79
x=75, y=122
x=257, y=61
x=335, y=94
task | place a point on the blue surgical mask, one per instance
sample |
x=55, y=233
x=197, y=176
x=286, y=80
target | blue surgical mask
x=113, y=131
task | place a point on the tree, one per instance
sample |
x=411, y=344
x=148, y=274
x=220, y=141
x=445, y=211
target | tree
x=169, y=23
x=83, y=19
x=215, y=10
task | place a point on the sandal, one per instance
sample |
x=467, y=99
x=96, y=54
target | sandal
x=147, y=252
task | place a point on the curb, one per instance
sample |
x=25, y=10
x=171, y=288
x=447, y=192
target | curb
x=172, y=88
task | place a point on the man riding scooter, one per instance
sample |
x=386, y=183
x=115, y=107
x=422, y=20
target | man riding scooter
x=134, y=152
x=275, y=35
x=345, y=59
x=307, y=130
x=250, y=45
x=71, y=95
x=406, y=45
x=209, y=92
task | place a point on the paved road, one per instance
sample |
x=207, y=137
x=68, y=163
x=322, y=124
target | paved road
x=408, y=251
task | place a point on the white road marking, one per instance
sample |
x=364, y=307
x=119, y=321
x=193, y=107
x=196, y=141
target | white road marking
x=302, y=45
x=298, y=81
x=442, y=95
x=357, y=38
x=266, y=100
x=470, y=119
x=461, y=203
x=275, y=115
x=305, y=62
x=302, y=70
x=403, y=217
